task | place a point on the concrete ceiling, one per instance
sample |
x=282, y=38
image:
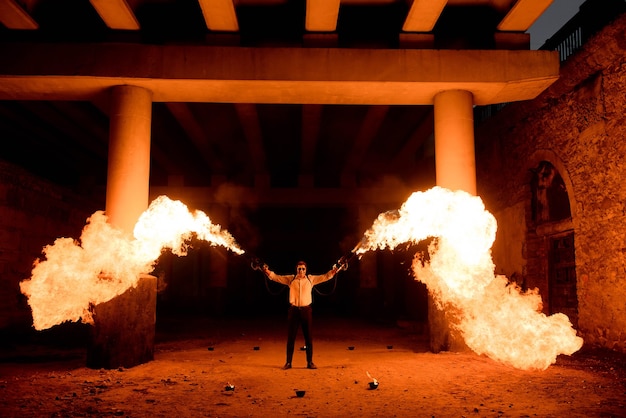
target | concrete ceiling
x=252, y=143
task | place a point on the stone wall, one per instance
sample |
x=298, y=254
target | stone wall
x=578, y=125
x=33, y=213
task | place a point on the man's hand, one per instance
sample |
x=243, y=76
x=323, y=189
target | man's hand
x=342, y=264
x=256, y=264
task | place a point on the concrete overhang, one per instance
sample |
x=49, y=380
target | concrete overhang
x=273, y=75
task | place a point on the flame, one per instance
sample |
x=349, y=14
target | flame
x=105, y=263
x=370, y=376
x=169, y=224
x=495, y=317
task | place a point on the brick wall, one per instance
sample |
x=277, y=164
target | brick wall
x=578, y=125
x=33, y=213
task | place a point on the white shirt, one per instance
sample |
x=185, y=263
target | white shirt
x=301, y=286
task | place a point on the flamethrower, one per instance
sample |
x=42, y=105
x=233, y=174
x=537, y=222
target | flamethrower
x=361, y=246
x=257, y=264
x=341, y=264
x=344, y=261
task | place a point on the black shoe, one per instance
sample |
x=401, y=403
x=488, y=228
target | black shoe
x=311, y=365
x=287, y=366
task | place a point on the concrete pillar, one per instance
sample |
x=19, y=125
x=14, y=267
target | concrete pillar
x=124, y=327
x=128, y=176
x=454, y=141
x=455, y=168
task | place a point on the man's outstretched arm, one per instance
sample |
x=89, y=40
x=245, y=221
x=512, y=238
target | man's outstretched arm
x=276, y=277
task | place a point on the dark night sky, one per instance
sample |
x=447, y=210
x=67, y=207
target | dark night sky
x=552, y=20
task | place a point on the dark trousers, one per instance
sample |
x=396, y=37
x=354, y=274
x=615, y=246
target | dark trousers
x=299, y=317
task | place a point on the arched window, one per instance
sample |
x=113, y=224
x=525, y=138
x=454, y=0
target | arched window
x=550, y=200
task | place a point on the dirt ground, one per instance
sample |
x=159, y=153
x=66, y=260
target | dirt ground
x=197, y=360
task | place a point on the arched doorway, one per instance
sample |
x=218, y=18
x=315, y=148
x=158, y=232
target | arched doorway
x=554, y=255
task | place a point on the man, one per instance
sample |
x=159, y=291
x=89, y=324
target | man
x=300, y=312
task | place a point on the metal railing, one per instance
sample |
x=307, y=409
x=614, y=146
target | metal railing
x=571, y=44
x=592, y=16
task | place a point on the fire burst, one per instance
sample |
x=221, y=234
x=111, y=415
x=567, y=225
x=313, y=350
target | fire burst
x=75, y=276
x=494, y=316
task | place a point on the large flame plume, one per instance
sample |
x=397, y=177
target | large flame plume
x=495, y=317
x=105, y=263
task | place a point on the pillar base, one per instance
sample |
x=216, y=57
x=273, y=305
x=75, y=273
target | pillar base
x=443, y=336
x=124, y=328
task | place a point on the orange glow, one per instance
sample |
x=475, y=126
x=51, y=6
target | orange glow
x=494, y=316
x=77, y=275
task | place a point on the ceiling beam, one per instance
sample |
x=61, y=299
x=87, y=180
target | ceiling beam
x=311, y=123
x=13, y=16
x=116, y=14
x=219, y=15
x=523, y=14
x=251, y=126
x=90, y=121
x=406, y=154
x=195, y=132
x=423, y=15
x=273, y=75
x=321, y=15
x=66, y=126
x=367, y=132
x=43, y=132
x=164, y=161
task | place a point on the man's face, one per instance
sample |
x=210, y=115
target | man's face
x=301, y=270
